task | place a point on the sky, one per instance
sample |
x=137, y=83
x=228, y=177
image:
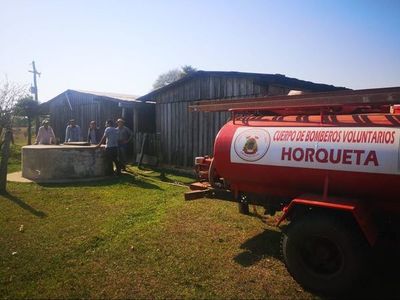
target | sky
x=121, y=46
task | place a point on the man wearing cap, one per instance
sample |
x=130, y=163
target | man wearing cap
x=73, y=132
x=45, y=134
x=125, y=135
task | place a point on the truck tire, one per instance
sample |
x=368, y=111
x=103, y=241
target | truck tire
x=324, y=254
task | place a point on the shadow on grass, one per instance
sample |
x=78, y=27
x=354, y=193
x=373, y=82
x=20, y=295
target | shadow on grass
x=265, y=244
x=24, y=205
x=163, y=173
x=124, y=179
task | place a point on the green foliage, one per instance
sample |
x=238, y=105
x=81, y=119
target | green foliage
x=14, y=160
x=20, y=121
x=27, y=107
x=9, y=94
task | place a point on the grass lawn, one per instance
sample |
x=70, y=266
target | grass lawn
x=135, y=237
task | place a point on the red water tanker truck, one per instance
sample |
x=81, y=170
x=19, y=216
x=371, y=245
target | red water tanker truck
x=330, y=162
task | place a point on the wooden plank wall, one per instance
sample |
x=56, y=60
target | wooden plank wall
x=150, y=145
x=184, y=135
x=84, y=110
x=87, y=107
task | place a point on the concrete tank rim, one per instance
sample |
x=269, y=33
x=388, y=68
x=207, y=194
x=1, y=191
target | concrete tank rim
x=59, y=147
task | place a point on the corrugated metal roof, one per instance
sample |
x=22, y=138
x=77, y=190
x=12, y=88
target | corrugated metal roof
x=116, y=96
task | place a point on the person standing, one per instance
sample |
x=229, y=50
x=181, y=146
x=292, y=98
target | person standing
x=73, y=132
x=125, y=135
x=110, y=136
x=45, y=134
x=93, y=135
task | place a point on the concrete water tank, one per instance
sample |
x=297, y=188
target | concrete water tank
x=61, y=162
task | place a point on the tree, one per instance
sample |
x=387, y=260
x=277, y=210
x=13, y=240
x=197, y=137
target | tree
x=9, y=95
x=188, y=69
x=27, y=107
x=173, y=75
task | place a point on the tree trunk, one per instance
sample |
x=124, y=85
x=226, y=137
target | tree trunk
x=5, y=152
x=29, y=131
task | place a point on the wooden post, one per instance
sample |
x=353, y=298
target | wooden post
x=29, y=130
x=5, y=152
x=142, y=150
x=160, y=154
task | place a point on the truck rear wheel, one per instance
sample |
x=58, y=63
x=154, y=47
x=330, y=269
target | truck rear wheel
x=324, y=254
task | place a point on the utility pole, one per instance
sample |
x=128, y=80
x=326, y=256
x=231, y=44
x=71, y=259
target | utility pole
x=34, y=90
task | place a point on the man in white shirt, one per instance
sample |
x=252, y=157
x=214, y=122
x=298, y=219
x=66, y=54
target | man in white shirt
x=45, y=134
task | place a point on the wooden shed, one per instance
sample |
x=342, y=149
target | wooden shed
x=184, y=135
x=85, y=106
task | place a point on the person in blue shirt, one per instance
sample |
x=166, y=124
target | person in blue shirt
x=110, y=136
x=73, y=132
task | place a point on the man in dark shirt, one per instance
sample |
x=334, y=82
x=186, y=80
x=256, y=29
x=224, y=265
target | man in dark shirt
x=111, y=138
x=93, y=135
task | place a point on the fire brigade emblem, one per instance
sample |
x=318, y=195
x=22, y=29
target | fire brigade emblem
x=250, y=147
x=252, y=144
